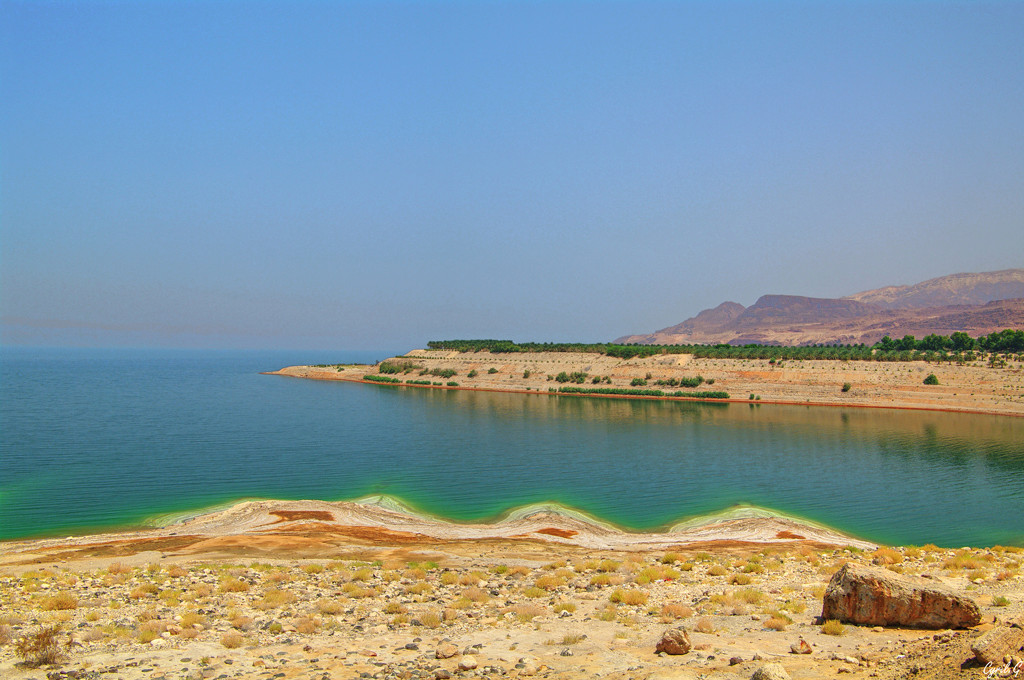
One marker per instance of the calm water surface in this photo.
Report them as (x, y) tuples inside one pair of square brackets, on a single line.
[(94, 439)]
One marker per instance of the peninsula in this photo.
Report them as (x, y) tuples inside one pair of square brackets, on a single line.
[(976, 383)]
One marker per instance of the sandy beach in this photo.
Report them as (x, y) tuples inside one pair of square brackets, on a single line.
[(971, 388)]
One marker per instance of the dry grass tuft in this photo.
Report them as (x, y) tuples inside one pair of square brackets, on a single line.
[(704, 625), (330, 607), (671, 611), (430, 619), (43, 647), (833, 627), (632, 596), (232, 584), (885, 555), (275, 598), (549, 581), (527, 612), (60, 602), (232, 639)]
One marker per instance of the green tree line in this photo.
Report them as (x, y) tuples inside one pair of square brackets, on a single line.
[(955, 347)]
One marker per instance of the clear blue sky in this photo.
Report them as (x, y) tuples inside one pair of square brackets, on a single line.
[(361, 175)]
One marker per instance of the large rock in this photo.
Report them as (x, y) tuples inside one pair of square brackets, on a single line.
[(999, 642), (770, 671), (873, 596), (674, 641)]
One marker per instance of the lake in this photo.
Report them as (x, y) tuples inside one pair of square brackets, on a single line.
[(97, 439)]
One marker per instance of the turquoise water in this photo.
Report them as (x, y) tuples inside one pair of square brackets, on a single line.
[(93, 439)]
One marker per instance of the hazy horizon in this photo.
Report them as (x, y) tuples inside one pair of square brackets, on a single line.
[(363, 175)]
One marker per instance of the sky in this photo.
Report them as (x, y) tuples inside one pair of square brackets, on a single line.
[(360, 175)]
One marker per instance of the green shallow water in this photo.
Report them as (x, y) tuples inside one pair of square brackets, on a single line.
[(101, 439)]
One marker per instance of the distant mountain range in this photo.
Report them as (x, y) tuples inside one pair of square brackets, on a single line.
[(976, 304)]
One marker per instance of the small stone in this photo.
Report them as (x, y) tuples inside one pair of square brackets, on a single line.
[(566, 652), (735, 660), (446, 650), (800, 647), (467, 663)]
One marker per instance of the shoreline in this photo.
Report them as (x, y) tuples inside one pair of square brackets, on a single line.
[(974, 389), (299, 589), (774, 402), (356, 519)]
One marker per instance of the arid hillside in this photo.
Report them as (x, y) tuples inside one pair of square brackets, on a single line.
[(977, 304)]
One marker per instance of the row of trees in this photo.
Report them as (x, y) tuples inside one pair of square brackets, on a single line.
[(955, 347)]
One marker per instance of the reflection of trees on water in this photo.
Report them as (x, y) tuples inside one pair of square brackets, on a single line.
[(885, 474)]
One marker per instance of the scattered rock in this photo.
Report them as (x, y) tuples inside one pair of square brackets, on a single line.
[(993, 646), (446, 650), (770, 671), (872, 596), (800, 647), (467, 663), (674, 641)]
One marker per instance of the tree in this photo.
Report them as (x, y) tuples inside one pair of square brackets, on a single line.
[(960, 342)]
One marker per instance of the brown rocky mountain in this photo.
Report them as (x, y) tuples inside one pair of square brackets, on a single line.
[(956, 289), (973, 303)]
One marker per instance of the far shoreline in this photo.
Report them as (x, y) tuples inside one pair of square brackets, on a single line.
[(970, 389)]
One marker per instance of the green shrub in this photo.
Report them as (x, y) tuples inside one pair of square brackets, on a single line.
[(472, 374), (492, 371), (638, 382), (931, 379), (389, 367), (381, 379), (452, 383), (847, 387), (526, 374)]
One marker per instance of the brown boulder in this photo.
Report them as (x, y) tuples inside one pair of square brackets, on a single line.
[(674, 641), (999, 642), (872, 596)]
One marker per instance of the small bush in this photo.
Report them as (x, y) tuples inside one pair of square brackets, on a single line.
[(675, 610), (1001, 601), (630, 596), (452, 383), (704, 625), (430, 619), (233, 585), (472, 374), (847, 387), (527, 374), (492, 371), (60, 601), (43, 647), (833, 627), (232, 639), (931, 379)]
